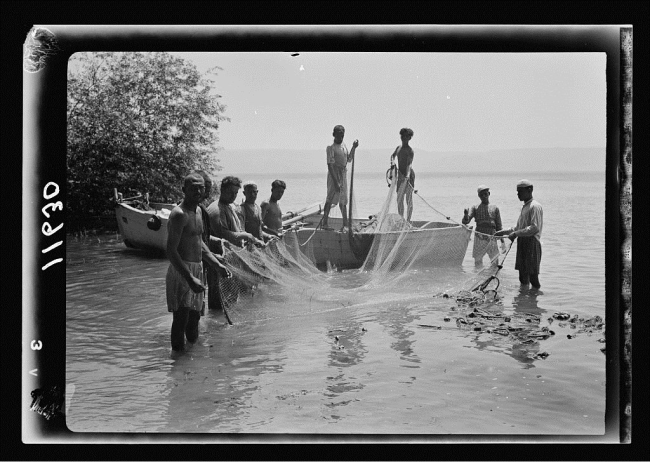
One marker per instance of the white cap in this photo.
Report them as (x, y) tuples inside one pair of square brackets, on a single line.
[(524, 184), (482, 187)]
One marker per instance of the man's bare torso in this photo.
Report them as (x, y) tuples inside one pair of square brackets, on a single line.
[(189, 246), (272, 215)]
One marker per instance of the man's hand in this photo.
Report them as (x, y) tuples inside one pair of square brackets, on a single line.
[(195, 284), (355, 144), (465, 216), (512, 236), (219, 266)]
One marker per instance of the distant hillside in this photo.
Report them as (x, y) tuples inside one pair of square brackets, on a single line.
[(249, 161)]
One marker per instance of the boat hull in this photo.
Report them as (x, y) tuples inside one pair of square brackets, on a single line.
[(132, 224), (433, 243)]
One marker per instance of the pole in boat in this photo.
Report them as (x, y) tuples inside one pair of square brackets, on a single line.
[(350, 201)]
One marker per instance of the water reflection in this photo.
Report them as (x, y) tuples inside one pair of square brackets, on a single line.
[(525, 350), (517, 334), (396, 321), (217, 385)]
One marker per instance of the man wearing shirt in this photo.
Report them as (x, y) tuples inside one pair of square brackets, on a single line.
[(529, 232), (488, 221)]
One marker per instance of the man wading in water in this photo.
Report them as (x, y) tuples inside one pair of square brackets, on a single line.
[(529, 232), (186, 250)]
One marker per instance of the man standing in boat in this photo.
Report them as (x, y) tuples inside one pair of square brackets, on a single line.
[(529, 232), (404, 155), (185, 250), (488, 221), (337, 186), (271, 212)]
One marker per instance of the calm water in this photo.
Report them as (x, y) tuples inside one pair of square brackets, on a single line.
[(280, 369)]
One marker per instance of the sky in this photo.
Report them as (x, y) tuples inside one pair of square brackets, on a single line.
[(452, 101)]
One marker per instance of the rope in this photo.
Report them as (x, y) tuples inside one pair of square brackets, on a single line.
[(312, 234), (438, 211)]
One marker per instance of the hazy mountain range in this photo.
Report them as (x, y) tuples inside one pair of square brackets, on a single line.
[(249, 161)]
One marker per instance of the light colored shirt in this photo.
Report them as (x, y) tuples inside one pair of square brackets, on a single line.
[(530, 220), (224, 221), (338, 155)]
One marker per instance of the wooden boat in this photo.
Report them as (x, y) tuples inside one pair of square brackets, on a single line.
[(443, 243), (143, 224), (141, 228)]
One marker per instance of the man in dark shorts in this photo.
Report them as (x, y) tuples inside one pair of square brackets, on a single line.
[(529, 232)]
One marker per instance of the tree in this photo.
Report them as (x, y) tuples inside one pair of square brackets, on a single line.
[(136, 122)]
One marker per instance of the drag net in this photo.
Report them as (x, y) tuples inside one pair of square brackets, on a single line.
[(390, 249), (401, 244)]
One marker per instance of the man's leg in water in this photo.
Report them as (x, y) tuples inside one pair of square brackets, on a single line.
[(192, 327), (179, 325), (534, 281), (524, 278)]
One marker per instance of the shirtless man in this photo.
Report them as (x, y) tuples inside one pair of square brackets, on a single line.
[(404, 154), (271, 212), (186, 250)]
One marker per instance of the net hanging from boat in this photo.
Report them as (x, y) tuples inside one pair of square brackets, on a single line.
[(391, 246)]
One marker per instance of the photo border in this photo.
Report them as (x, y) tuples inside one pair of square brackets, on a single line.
[(44, 146)]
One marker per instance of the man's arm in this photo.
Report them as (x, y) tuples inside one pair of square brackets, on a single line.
[(335, 174), (265, 208), (213, 260), (331, 171), (468, 214), (354, 148), (497, 219), (535, 222), (175, 226)]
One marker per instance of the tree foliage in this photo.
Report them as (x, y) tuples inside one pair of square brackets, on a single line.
[(138, 122)]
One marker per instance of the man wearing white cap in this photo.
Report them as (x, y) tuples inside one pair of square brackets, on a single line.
[(529, 232), (488, 221)]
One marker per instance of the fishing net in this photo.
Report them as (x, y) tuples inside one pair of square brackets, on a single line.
[(388, 249)]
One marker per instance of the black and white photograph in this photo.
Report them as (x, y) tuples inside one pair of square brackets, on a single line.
[(281, 232)]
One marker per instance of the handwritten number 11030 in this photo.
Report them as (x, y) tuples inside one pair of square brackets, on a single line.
[(49, 191)]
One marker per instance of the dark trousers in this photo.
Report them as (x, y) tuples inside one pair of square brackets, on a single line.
[(214, 297), (185, 324)]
